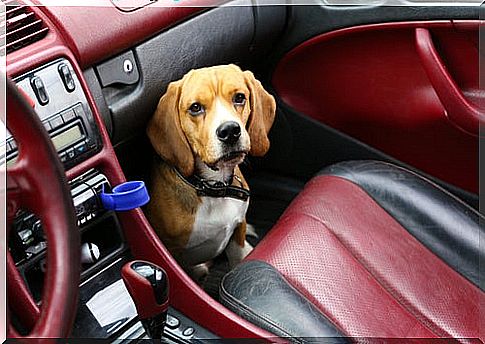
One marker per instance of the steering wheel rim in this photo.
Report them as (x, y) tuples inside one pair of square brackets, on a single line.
[(37, 182)]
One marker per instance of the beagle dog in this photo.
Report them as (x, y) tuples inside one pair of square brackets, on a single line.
[(204, 126)]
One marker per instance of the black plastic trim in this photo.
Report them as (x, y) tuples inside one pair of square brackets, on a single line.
[(222, 35)]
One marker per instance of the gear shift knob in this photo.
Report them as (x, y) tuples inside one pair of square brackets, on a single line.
[(147, 284)]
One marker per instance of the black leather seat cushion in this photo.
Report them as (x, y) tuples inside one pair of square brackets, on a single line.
[(259, 293)]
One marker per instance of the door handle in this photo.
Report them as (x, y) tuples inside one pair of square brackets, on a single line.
[(459, 109)]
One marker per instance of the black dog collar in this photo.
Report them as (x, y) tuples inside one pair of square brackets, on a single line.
[(210, 188)]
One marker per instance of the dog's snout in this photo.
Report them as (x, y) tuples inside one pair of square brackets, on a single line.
[(228, 132)]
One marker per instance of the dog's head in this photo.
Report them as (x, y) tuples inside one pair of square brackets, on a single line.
[(218, 114)]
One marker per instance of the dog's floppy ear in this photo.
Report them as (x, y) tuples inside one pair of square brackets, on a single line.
[(165, 132), (263, 108)]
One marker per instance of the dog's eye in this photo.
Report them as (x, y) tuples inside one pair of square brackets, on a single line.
[(196, 109), (239, 99)]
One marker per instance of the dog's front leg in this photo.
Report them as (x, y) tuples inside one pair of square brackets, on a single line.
[(238, 248)]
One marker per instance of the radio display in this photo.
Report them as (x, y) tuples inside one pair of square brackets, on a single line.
[(67, 137)]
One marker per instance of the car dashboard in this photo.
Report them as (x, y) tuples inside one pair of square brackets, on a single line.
[(350, 84), (94, 75)]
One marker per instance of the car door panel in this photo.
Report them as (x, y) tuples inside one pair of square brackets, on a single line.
[(368, 81)]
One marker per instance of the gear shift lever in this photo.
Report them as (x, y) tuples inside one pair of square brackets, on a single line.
[(148, 286)]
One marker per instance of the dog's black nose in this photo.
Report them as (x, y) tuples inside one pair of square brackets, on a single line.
[(228, 132)]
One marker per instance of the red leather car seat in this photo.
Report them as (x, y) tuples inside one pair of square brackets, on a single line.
[(367, 249)]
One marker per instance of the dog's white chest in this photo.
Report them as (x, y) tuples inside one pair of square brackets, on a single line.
[(215, 221)]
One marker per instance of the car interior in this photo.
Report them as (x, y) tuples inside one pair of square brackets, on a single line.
[(365, 209)]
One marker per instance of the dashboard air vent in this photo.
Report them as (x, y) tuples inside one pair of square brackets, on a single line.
[(23, 26)]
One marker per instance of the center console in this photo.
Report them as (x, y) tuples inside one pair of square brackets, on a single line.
[(95, 89), (56, 94), (106, 309)]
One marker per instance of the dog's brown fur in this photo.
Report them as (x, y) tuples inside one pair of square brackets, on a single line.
[(179, 138)]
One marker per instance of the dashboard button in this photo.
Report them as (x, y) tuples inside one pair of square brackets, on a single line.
[(68, 115), (37, 230), (71, 154), (80, 148), (39, 90), (78, 110), (66, 77), (26, 236), (56, 122), (47, 125), (172, 322), (189, 331), (90, 143)]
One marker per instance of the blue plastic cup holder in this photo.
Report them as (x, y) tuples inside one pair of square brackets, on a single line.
[(126, 196)]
